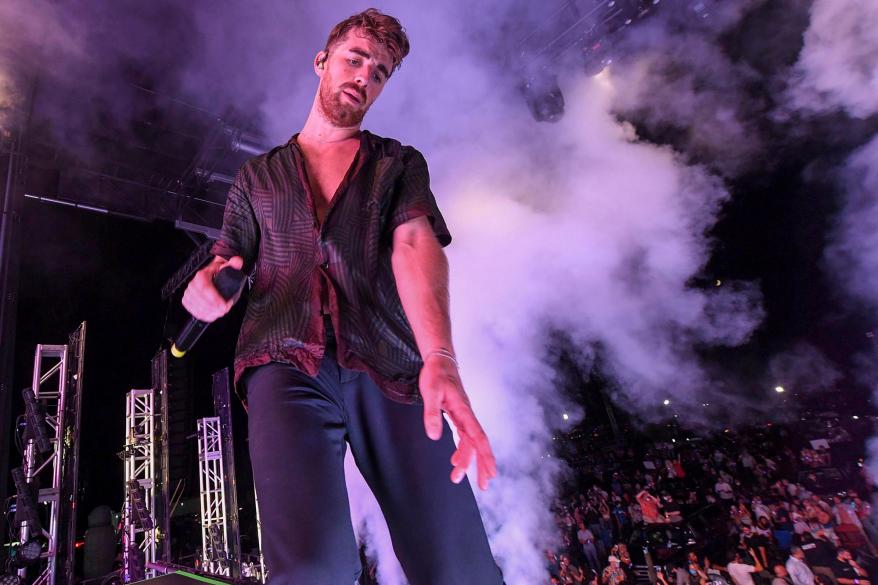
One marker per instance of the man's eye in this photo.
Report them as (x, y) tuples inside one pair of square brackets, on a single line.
[(377, 78), (354, 62)]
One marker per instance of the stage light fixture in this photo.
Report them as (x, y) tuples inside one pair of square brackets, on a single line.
[(26, 503), (136, 565), (36, 421), (10, 579), (544, 97), (140, 515), (25, 555)]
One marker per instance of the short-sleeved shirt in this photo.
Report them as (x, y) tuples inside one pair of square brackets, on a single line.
[(741, 573), (302, 269)]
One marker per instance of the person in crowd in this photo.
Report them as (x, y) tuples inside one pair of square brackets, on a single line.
[(741, 572), (760, 510), (714, 573), (819, 554), (587, 540), (613, 573), (553, 563), (671, 509), (724, 490), (650, 507), (781, 576), (847, 571), (761, 539), (697, 576), (798, 569), (570, 573)]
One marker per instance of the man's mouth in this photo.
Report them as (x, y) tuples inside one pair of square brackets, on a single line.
[(353, 95)]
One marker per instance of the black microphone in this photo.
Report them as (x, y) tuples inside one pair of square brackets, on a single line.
[(227, 282)]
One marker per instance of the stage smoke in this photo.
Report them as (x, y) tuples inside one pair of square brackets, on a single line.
[(838, 71)]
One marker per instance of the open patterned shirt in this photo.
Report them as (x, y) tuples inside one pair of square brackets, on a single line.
[(301, 267)]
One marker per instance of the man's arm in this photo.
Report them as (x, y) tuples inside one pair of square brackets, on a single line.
[(421, 273)]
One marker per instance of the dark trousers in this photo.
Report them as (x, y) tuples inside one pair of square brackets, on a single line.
[(299, 430)]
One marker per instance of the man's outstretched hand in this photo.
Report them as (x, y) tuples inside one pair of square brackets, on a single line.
[(442, 390)]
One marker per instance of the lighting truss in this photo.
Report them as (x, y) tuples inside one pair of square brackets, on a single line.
[(55, 396), (140, 535), (216, 557)]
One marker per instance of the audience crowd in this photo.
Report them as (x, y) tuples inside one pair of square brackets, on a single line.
[(739, 509)]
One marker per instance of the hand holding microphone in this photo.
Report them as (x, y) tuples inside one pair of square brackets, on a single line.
[(211, 294)]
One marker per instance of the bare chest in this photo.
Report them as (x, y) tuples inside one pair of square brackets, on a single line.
[(327, 170)]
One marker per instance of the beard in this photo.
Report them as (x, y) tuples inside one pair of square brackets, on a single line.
[(337, 109)]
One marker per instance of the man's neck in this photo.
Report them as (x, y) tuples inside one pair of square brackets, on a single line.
[(318, 130)]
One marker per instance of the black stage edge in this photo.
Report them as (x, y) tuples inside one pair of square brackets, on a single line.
[(186, 578)]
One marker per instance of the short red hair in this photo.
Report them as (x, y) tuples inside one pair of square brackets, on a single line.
[(381, 28)]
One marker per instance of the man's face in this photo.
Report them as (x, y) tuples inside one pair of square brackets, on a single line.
[(351, 78)]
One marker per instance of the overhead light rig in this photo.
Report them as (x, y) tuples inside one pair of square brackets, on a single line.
[(589, 28)]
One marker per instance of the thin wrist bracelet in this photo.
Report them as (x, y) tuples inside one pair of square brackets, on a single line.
[(443, 353)]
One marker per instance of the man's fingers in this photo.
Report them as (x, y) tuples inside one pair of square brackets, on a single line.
[(235, 262), (474, 437), (432, 413), (201, 297), (461, 460)]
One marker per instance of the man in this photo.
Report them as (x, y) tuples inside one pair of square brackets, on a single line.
[(346, 339), (650, 506), (847, 571), (781, 576), (671, 509), (741, 572), (586, 539), (819, 554), (613, 573), (693, 566), (724, 490), (798, 569)]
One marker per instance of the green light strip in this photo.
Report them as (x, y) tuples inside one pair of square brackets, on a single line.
[(201, 578)]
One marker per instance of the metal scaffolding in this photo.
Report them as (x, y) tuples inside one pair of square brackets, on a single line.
[(57, 389), (162, 509), (222, 406), (141, 535), (216, 557)]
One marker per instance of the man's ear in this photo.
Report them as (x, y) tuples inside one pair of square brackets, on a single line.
[(320, 60)]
